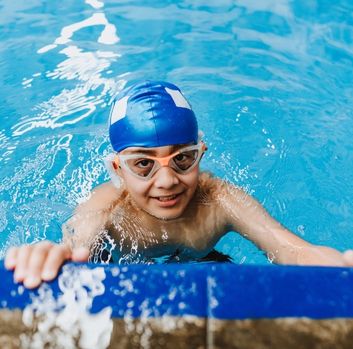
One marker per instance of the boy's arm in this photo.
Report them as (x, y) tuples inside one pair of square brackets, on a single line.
[(41, 261), (248, 217)]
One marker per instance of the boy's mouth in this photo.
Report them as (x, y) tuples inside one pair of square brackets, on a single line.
[(168, 200)]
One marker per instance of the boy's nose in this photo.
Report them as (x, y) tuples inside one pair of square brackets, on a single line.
[(165, 178)]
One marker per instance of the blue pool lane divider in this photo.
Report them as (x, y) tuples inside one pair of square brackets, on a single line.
[(220, 291)]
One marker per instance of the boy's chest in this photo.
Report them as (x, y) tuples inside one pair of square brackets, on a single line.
[(194, 235)]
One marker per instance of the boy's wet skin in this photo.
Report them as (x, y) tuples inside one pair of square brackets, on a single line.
[(194, 233)]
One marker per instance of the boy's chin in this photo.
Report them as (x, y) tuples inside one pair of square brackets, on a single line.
[(166, 216)]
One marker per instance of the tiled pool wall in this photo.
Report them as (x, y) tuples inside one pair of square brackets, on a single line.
[(181, 306)]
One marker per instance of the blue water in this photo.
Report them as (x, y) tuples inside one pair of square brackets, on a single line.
[(270, 81)]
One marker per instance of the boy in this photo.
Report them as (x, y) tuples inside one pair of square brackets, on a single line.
[(163, 206)]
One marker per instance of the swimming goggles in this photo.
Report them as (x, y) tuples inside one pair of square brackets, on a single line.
[(144, 166)]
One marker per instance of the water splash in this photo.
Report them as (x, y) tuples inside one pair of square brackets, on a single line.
[(102, 249), (65, 322)]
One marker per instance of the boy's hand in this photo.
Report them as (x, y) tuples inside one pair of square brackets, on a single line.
[(41, 262)]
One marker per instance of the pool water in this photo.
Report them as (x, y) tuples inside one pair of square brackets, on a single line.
[(270, 82)]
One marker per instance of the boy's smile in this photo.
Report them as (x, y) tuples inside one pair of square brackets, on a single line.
[(167, 193)]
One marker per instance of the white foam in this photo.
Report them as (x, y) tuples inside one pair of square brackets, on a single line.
[(64, 320)]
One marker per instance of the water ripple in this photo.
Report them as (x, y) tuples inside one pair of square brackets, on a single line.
[(270, 81)]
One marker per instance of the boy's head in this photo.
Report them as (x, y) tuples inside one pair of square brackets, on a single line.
[(151, 114), (155, 132)]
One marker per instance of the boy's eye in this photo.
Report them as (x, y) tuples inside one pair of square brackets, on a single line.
[(185, 160), (185, 156), (143, 163), (180, 157)]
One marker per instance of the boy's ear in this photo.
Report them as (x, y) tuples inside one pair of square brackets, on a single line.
[(116, 167)]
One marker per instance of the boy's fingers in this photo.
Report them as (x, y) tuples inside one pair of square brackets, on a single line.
[(80, 254), (23, 255), (35, 264), (348, 257), (41, 262), (11, 258), (57, 255)]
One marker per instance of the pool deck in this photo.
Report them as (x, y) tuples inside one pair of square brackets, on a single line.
[(204, 305)]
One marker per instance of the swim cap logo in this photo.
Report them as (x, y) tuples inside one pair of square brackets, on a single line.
[(178, 98), (119, 110)]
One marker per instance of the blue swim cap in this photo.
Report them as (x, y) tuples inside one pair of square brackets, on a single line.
[(151, 114)]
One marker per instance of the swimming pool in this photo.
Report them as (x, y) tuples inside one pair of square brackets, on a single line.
[(270, 82)]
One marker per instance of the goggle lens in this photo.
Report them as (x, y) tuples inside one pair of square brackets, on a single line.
[(183, 161), (140, 166)]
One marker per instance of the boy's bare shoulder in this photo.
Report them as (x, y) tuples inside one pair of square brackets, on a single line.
[(92, 215), (103, 197), (217, 186), (221, 193), (106, 189), (211, 186)]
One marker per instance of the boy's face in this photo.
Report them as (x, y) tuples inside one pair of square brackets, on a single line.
[(165, 195)]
